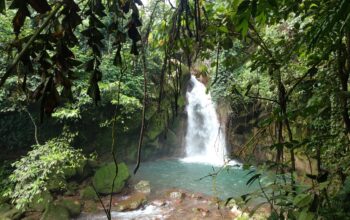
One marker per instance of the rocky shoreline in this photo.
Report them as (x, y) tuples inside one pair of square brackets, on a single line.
[(79, 200)]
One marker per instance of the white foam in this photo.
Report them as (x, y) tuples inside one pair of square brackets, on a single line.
[(205, 140), (150, 212)]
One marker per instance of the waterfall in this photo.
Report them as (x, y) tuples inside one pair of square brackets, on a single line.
[(205, 140)]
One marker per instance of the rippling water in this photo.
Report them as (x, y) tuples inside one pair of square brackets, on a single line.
[(195, 177)]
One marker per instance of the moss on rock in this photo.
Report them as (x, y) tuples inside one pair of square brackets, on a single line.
[(55, 212), (88, 193), (131, 203), (72, 205), (103, 178)]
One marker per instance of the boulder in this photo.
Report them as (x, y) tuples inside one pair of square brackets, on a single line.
[(4, 207), (143, 186), (92, 163), (159, 203), (244, 216), (90, 206), (55, 212), (236, 211), (177, 195), (9, 213), (72, 205), (88, 193), (103, 178), (132, 202), (31, 216), (85, 170), (71, 188), (40, 201), (80, 172)]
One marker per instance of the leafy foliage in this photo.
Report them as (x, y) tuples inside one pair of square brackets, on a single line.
[(44, 165), (50, 54)]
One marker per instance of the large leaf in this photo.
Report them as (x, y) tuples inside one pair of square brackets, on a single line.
[(41, 6), (2, 6), (302, 200), (18, 20), (253, 179), (304, 215), (243, 6)]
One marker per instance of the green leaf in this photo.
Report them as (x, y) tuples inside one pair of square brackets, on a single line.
[(2, 6), (18, 20), (272, 3), (243, 6), (246, 166), (302, 200), (41, 6), (254, 8), (253, 178), (304, 215), (223, 29), (243, 27)]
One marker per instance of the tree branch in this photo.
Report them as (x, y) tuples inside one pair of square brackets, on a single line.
[(35, 126), (144, 70), (27, 45), (262, 98)]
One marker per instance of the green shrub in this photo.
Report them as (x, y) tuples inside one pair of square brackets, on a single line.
[(41, 167)]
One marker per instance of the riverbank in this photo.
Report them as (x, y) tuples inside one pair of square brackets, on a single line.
[(169, 204)]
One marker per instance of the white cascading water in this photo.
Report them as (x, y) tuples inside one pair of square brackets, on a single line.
[(205, 140)]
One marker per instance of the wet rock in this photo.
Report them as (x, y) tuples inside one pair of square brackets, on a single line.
[(90, 206), (197, 197), (55, 212), (9, 213), (132, 202), (31, 216), (243, 216), (213, 201), (204, 212), (71, 188), (143, 186), (92, 163), (104, 176), (235, 210), (177, 195), (88, 193), (231, 203), (73, 206), (159, 203), (4, 207)]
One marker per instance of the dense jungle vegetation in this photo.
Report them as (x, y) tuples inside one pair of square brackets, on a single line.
[(85, 81)]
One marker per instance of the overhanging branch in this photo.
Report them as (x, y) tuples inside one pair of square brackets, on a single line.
[(27, 45)]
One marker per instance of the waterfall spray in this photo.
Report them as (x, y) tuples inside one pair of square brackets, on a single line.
[(205, 140)]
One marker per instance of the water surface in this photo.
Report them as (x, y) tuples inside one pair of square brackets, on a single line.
[(195, 177)]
